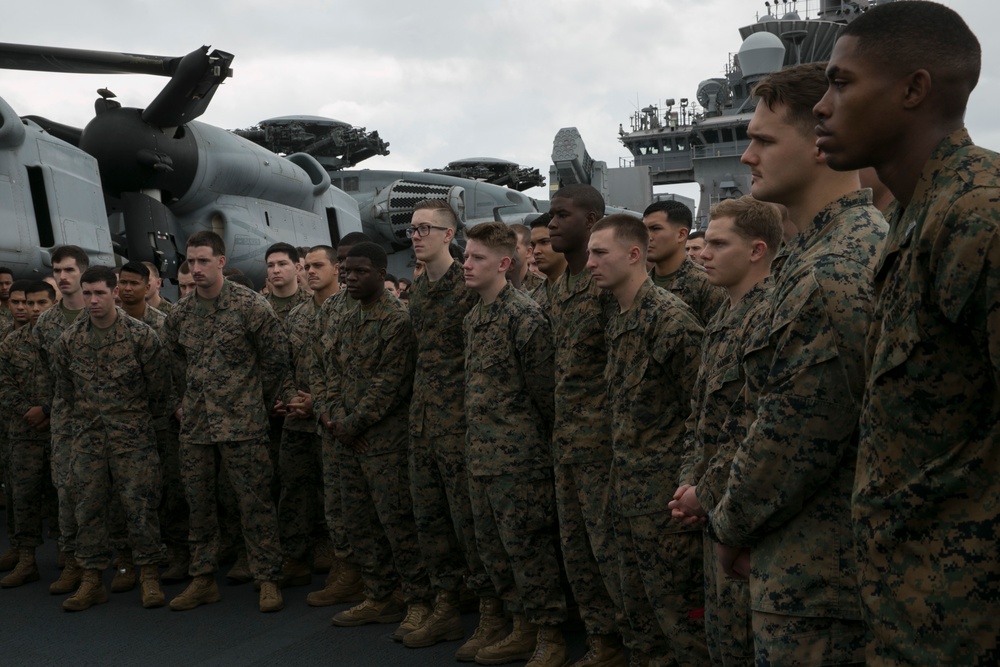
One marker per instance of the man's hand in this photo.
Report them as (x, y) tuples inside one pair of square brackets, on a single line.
[(301, 407), (35, 416), (735, 561), (685, 506)]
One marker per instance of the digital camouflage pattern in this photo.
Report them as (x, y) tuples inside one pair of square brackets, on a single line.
[(540, 293), (46, 333), (531, 282), (690, 284), (230, 362), (282, 306), (327, 321), (715, 428), (508, 399), (117, 382), (438, 475), (581, 441), (788, 494), (927, 493), (652, 363), (371, 357), (508, 385), (24, 383)]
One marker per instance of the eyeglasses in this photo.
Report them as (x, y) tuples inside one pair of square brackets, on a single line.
[(422, 230)]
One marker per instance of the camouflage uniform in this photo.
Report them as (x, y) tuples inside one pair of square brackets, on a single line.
[(24, 383), (778, 263), (715, 428), (299, 462), (926, 493), (6, 328), (230, 362), (328, 321), (371, 357), (531, 282), (509, 408), (117, 382), (652, 363), (540, 293), (789, 488), (581, 448), (46, 333), (165, 307), (690, 284), (282, 306), (438, 477)]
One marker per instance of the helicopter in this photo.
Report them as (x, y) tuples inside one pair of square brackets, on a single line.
[(136, 183)]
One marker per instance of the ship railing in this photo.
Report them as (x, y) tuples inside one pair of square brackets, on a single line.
[(727, 149)]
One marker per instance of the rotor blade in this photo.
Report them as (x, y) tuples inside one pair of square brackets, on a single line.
[(68, 133), (83, 61), (190, 89)]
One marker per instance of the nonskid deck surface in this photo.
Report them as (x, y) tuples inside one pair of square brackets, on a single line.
[(35, 631)]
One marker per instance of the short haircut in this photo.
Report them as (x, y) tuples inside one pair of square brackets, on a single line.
[(287, 248), (154, 272), (698, 234), (392, 279), (354, 238), (372, 251), (138, 268), (907, 36), (753, 220), (184, 268), (442, 209), (100, 274), (76, 253), (586, 197), (676, 212), (626, 229), (206, 239), (22, 285), (331, 252), (5, 270), (228, 271), (36, 286), (797, 89), (495, 236), (523, 234), (541, 221)]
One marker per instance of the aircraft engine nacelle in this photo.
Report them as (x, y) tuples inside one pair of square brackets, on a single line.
[(394, 204)]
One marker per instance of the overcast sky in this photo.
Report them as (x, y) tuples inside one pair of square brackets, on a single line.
[(440, 80)]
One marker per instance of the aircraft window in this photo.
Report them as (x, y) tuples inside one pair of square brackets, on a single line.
[(351, 184)]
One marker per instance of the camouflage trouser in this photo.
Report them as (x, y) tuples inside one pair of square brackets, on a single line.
[(663, 589), (439, 485), (727, 613), (300, 471), (247, 467), (514, 517), (333, 504), (99, 467), (781, 640), (8, 486), (228, 509), (27, 463), (378, 515), (276, 427), (588, 547), (62, 479)]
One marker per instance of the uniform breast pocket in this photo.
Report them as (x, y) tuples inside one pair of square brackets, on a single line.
[(232, 345), (724, 376), (125, 373), (83, 372)]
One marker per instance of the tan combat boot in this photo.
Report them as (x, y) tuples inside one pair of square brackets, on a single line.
[(492, 628), (8, 560), (550, 649), (270, 597), (201, 590), (69, 578), (389, 610), (416, 615), (124, 579), (518, 645), (149, 587), (90, 592), (25, 572), (603, 651), (323, 557), (342, 585), (295, 573), (177, 565), (443, 625)]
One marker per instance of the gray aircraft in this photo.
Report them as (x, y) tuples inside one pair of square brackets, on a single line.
[(137, 183)]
